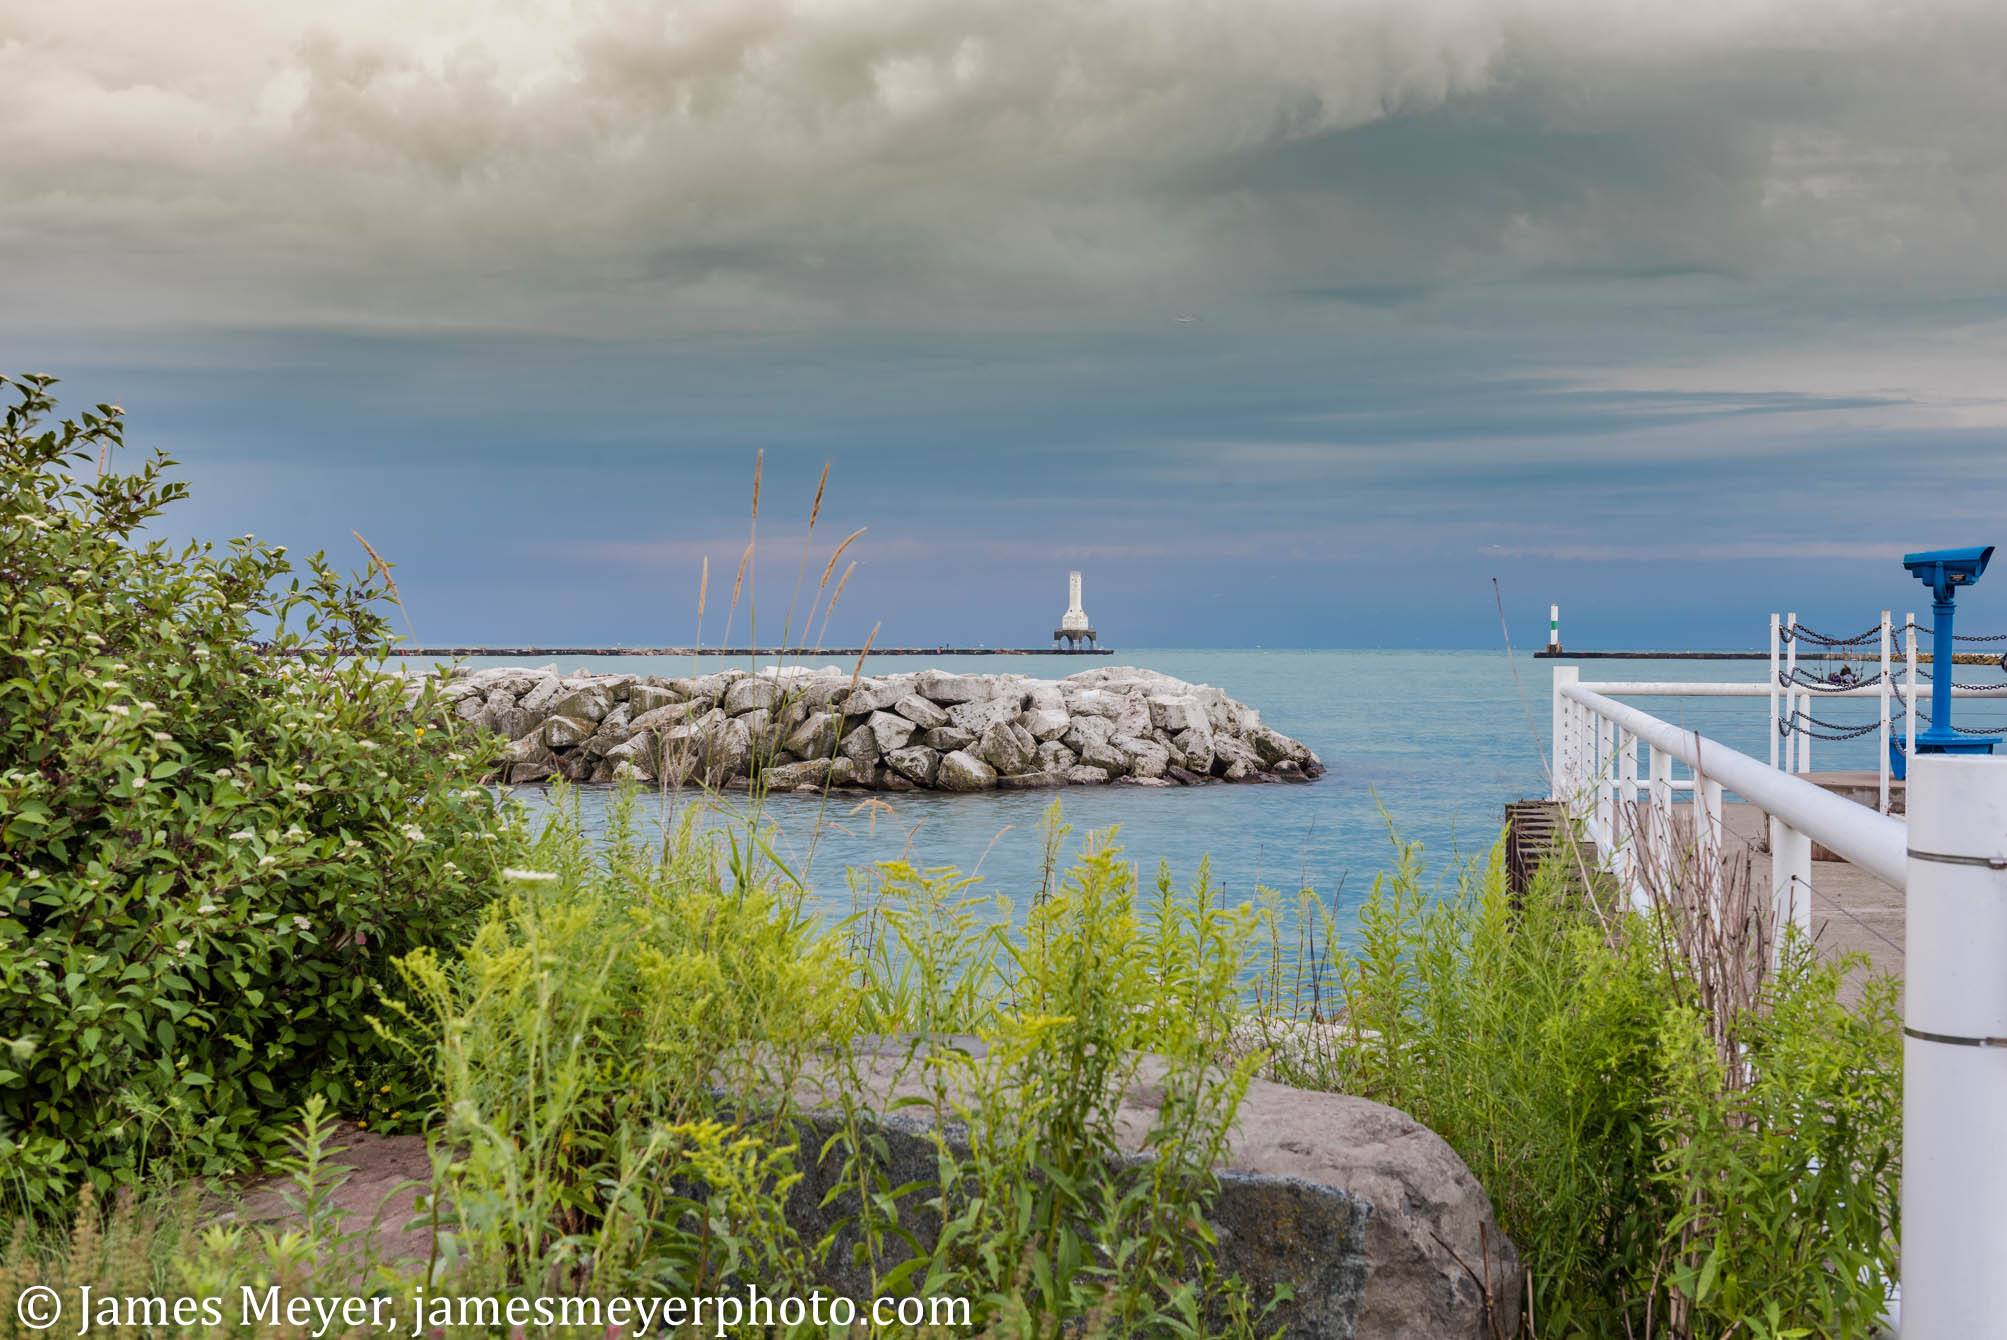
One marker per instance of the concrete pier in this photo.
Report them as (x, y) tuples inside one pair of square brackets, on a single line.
[(1852, 911)]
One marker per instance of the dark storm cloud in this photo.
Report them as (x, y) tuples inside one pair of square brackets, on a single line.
[(1235, 303)]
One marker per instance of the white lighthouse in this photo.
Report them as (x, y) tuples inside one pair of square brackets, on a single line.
[(1074, 627)]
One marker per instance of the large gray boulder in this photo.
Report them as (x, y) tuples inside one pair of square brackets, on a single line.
[(1006, 747), (613, 730), (981, 715), (1082, 731), (1235, 760), (639, 753), (1193, 749), (916, 763), (645, 698), (815, 737), (920, 711), (1145, 758), (947, 738), (813, 773), (1173, 713), (750, 695), (561, 732), (860, 746), (665, 716), (890, 731), (725, 749), (874, 695), (1370, 1220), (502, 715), (960, 771), (588, 702), (539, 699), (1044, 723), (942, 687)]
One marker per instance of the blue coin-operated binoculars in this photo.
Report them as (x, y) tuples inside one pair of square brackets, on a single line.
[(1943, 571)]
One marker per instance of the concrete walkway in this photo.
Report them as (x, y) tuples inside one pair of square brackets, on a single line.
[(1852, 911)]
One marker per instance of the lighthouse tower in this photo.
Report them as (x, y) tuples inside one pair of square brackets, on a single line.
[(1073, 625)]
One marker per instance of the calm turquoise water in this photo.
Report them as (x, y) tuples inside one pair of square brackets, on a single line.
[(1432, 743)]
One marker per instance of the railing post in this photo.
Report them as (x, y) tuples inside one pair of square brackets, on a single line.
[(1707, 836), (1774, 717), (1791, 693), (1661, 844), (1606, 786), (1954, 1176), (1562, 781), (1790, 883), (1909, 692), (1627, 806), (1882, 754)]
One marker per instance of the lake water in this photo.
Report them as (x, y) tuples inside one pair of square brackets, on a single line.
[(1430, 743)]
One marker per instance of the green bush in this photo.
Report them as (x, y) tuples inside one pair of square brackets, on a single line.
[(1048, 1220), (1674, 1156), (218, 825), (610, 1044), (622, 1041)]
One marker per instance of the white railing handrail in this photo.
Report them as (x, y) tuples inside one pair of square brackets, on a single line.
[(1642, 688), (1875, 842)]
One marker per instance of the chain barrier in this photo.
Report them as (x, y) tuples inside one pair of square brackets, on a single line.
[(1803, 723), (1925, 630), (1797, 678), (1900, 707), (1799, 632)]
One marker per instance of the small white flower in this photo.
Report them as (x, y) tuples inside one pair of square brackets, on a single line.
[(296, 833), (414, 832), (181, 946), (118, 710), (242, 835), (452, 869), (163, 737), (529, 876), (304, 788), (139, 783), (301, 923), (267, 860), (223, 774), (205, 910), (367, 744)]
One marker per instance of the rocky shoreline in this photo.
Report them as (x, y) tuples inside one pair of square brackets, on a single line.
[(796, 728)]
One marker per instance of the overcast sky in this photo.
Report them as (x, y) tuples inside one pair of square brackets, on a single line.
[(1291, 322)]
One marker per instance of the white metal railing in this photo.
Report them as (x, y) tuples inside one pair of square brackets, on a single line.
[(1628, 810), (1948, 858)]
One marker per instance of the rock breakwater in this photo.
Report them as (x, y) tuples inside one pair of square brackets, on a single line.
[(796, 728)]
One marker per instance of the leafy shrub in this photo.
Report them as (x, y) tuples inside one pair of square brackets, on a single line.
[(1671, 1161), (218, 825), (588, 1038), (1046, 1219), (622, 1040)]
